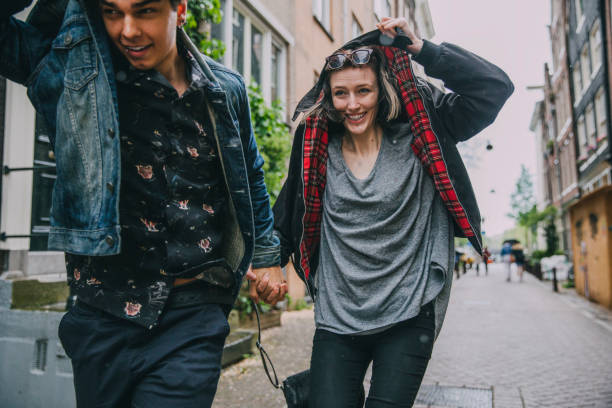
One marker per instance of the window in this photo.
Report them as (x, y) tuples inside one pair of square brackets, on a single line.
[(256, 54), (579, 14), (275, 85), (320, 9), (595, 43), (382, 8), (591, 134), (238, 41), (600, 115), (356, 29), (577, 80), (582, 140), (217, 30), (586, 66)]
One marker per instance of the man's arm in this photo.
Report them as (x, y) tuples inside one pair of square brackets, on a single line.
[(22, 46), (268, 283)]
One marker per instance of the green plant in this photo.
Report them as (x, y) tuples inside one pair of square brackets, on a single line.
[(273, 139), (301, 304), (200, 15)]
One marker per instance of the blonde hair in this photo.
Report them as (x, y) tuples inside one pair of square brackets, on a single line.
[(389, 107)]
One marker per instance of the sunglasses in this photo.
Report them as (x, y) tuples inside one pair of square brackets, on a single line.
[(357, 57)]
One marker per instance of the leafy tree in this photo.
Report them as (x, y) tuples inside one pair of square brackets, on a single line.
[(200, 15), (522, 202), (273, 139)]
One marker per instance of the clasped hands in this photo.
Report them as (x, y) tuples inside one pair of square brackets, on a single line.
[(267, 284)]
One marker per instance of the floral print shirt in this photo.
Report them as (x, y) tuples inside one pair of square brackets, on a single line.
[(172, 199)]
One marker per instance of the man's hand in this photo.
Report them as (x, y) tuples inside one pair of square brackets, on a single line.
[(387, 26), (267, 284)]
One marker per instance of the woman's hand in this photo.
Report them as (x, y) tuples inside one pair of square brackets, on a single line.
[(387, 26), (267, 284)]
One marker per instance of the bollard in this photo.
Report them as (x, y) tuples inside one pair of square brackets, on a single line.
[(555, 287)]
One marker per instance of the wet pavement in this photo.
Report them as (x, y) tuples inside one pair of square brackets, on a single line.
[(503, 345)]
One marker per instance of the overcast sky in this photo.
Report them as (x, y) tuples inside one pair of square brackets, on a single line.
[(513, 35)]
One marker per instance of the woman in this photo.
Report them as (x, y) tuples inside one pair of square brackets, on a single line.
[(375, 189)]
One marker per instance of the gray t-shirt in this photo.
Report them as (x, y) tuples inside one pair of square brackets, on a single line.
[(385, 240)]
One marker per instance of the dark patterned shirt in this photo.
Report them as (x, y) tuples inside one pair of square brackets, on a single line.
[(172, 200)]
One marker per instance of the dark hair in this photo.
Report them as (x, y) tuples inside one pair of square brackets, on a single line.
[(389, 102), (173, 3)]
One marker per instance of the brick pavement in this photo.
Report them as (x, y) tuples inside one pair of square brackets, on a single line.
[(531, 347)]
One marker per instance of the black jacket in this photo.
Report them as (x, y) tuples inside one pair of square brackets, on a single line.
[(438, 120)]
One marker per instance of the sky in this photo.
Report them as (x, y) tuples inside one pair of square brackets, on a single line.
[(514, 36)]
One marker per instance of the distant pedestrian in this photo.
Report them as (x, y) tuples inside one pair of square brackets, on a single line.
[(506, 257), (519, 259), (486, 255), (369, 212)]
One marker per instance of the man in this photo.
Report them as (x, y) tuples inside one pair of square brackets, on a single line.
[(159, 201)]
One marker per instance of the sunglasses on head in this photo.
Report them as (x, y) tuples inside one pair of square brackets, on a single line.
[(357, 57)]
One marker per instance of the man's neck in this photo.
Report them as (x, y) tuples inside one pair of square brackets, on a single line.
[(174, 70)]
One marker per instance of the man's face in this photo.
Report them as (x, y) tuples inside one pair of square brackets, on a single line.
[(143, 30)]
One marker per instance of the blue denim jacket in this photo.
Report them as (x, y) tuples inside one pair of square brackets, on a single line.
[(70, 81)]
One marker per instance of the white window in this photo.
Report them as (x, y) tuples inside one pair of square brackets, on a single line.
[(275, 84), (382, 8), (600, 115), (586, 66), (595, 42), (256, 54), (356, 29), (577, 80), (321, 11), (238, 31), (254, 50), (590, 125)]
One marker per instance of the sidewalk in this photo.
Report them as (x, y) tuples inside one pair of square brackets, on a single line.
[(503, 345)]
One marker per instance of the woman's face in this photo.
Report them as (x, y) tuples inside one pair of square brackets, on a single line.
[(354, 93)]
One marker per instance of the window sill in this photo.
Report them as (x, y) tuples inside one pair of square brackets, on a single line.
[(325, 29)]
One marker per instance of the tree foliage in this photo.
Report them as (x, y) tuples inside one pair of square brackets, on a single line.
[(273, 139), (200, 15)]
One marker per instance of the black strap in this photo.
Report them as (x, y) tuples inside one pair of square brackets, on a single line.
[(265, 359)]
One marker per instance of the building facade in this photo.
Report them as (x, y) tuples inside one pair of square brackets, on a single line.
[(587, 33)]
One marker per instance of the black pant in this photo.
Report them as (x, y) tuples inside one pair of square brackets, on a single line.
[(118, 364), (399, 357)]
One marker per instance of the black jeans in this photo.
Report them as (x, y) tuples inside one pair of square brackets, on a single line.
[(118, 364), (399, 357)]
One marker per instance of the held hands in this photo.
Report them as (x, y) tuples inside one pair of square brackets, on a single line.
[(388, 25), (267, 284)]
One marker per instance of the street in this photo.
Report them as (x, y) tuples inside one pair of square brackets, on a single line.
[(502, 345)]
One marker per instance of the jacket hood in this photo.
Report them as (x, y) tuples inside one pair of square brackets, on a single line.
[(372, 38)]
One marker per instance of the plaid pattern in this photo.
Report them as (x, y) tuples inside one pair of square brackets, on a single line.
[(425, 144), (315, 172), (425, 147)]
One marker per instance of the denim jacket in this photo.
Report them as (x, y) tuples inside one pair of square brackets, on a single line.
[(70, 81)]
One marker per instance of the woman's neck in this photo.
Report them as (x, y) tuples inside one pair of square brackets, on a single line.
[(364, 144)]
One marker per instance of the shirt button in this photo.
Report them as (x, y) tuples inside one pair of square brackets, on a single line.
[(110, 187), (111, 132), (110, 241), (188, 105), (67, 39)]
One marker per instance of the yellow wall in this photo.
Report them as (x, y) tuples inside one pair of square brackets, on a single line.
[(592, 245)]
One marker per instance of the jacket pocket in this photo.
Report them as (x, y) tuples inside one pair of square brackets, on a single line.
[(75, 45)]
